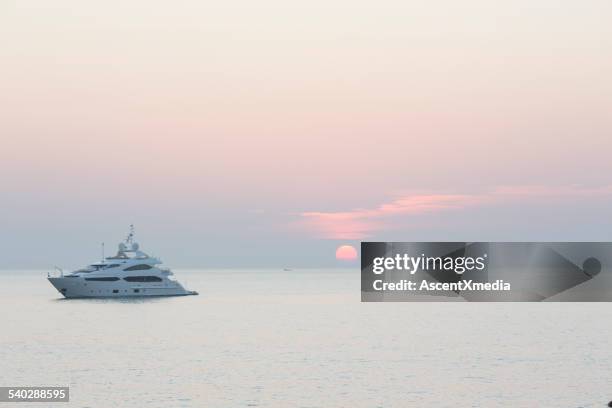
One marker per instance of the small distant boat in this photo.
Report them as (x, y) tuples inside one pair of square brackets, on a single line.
[(287, 269), (130, 273)]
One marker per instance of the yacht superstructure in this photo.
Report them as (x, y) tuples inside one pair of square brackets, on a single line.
[(129, 273)]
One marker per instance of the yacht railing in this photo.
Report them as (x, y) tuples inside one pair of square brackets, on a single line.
[(57, 269)]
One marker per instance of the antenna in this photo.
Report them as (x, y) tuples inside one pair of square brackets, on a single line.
[(103, 252), (130, 237)]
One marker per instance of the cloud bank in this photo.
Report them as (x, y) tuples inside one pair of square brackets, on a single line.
[(361, 223)]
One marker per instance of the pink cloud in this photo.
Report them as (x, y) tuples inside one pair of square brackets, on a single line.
[(362, 223)]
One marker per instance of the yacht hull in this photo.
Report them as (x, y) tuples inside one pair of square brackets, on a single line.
[(78, 287)]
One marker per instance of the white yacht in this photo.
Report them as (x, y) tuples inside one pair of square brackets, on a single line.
[(130, 273)]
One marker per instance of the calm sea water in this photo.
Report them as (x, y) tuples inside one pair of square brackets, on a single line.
[(267, 338)]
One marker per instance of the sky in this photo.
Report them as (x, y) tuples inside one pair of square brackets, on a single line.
[(269, 133)]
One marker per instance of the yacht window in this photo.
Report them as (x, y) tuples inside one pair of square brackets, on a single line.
[(103, 279), (140, 267), (112, 266), (142, 279), (118, 256)]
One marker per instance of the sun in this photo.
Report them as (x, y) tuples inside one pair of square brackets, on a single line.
[(346, 253)]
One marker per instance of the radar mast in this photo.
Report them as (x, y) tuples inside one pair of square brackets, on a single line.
[(130, 237)]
